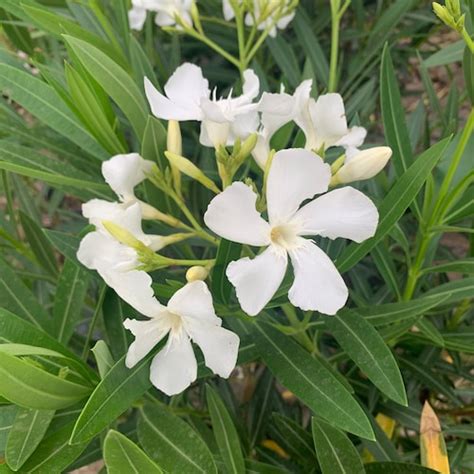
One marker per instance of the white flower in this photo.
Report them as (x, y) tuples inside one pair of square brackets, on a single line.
[(276, 110), (363, 165), (122, 173), (295, 175), (324, 123), (115, 262), (188, 316), (188, 97), (263, 14), (166, 12)]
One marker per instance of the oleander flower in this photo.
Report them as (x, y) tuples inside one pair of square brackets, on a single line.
[(263, 14), (188, 97), (118, 264), (166, 12), (295, 176), (189, 316)]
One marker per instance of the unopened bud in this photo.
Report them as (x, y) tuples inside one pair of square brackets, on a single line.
[(196, 18), (122, 235), (365, 165), (173, 139), (246, 148), (196, 273), (188, 168)]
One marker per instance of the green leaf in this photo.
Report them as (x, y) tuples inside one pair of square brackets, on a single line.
[(366, 348), (429, 330), (68, 302), (123, 456), (115, 81), (44, 103), (446, 55), (396, 131), (90, 110), (26, 433), (115, 394), (454, 291), (54, 454), (383, 314), (66, 244), (17, 297), (284, 56), (15, 330), (112, 310), (7, 417), (465, 266), (397, 468), (310, 381), (29, 386), (461, 340), (225, 433), (226, 253), (312, 48), (103, 358), (172, 443), (395, 203), (335, 452), (39, 244)]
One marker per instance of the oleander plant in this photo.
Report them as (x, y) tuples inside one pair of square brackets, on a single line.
[(237, 236)]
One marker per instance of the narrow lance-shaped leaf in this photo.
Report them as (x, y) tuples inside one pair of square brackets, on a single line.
[(26, 433), (115, 81), (336, 453), (310, 381), (172, 443), (367, 349), (225, 433), (44, 103), (227, 252), (122, 455)]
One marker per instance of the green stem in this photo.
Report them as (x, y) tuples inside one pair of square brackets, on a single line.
[(239, 20), (302, 337), (414, 271), (468, 40), (335, 22), (95, 317)]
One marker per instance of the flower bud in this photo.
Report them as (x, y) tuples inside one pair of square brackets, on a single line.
[(246, 148), (188, 168), (196, 273), (173, 139), (122, 235), (365, 165)]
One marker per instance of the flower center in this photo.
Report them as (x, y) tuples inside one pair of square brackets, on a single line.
[(174, 323), (285, 236)]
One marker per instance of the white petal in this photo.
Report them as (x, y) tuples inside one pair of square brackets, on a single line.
[(354, 138), (227, 10), (329, 119), (251, 86), (184, 90), (344, 212), (243, 125), (257, 280), (261, 150), (98, 210), (147, 335), (318, 286), (295, 175), (136, 18), (233, 216), (164, 19), (219, 346), (187, 86), (123, 172), (277, 110), (194, 301), (285, 21), (174, 368)]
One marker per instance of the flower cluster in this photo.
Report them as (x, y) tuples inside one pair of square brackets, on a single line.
[(275, 226), (167, 12)]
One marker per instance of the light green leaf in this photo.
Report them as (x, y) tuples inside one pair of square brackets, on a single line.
[(225, 433), (123, 456), (115, 81), (446, 55), (115, 393), (29, 386), (103, 358), (366, 348), (336, 454), (26, 433), (172, 443), (310, 381), (44, 103)]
